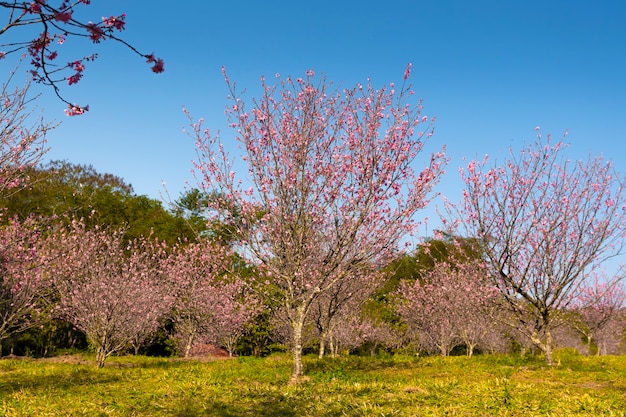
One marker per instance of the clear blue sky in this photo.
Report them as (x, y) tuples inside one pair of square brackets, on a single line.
[(489, 70)]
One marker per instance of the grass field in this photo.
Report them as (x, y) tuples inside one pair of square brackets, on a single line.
[(346, 386)]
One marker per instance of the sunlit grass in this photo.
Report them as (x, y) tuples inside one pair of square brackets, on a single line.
[(345, 386)]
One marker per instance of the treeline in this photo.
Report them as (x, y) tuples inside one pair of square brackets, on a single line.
[(88, 264)]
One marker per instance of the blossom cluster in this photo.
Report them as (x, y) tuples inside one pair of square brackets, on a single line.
[(58, 23)]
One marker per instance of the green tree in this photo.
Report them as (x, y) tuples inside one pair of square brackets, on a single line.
[(61, 190)]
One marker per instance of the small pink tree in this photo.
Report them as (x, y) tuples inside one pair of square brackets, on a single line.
[(23, 291), (611, 338), (600, 310), (211, 304), (449, 305), (378, 333), (342, 302), (57, 24), (332, 187), (544, 223), (110, 289)]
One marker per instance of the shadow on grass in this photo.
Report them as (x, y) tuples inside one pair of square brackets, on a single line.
[(353, 363), (268, 406), (61, 379)]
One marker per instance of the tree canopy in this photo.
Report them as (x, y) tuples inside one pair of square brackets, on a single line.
[(61, 190)]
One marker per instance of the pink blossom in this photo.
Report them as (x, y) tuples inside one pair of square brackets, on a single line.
[(407, 71), (63, 16), (75, 110), (115, 22), (96, 34), (158, 66)]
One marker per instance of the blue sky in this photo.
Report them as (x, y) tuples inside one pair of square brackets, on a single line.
[(490, 71)]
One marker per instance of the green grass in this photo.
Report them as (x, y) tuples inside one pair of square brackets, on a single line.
[(346, 386)]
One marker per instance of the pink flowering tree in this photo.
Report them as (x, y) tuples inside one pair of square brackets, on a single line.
[(610, 339), (345, 336), (212, 304), (544, 222), (53, 24), (599, 307), (24, 292), (359, 331), (22, 138), (110, 289), (447, 306), (342, 302), (332, 188)]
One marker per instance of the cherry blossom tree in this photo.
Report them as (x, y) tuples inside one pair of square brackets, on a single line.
[(449, 305), (341, 302), (211, 304), (611, 338), (23, 290), (600, 310), (53, 24), (345, 335), (332, 189), (477, 308), (22, 137), (110, 289), (357, 330), (544, 222)]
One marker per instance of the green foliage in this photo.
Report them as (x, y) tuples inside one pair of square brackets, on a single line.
[(61, 190), (194, 206), (257, 340), (45, 340), (353, 386), (161, 344)]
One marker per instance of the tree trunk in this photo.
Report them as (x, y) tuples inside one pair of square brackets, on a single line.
[(522, 351), (548, 354), (322, 345), (297, 324), (100, 356), (546, 347), (334, 348), (589, 345), (470, 349), (188, 346), (443, 350)]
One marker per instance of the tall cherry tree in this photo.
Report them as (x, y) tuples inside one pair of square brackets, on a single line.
[(40, 28), (332, 188), (110, 289), (544, 223)]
